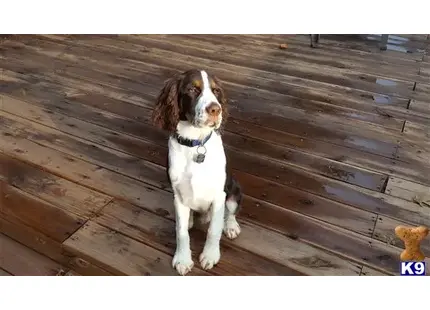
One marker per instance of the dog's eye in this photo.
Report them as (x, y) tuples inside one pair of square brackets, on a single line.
[(216, 91)]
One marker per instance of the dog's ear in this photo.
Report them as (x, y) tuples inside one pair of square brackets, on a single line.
[(223, 100), (166, 110)]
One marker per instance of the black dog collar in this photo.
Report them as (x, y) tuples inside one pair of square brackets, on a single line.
[(190, 142)]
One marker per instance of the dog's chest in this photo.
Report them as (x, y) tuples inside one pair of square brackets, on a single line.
[(198, 183)]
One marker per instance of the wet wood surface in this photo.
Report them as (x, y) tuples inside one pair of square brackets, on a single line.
[(4, 273), (19, 260), (331, 145), (159, 232)]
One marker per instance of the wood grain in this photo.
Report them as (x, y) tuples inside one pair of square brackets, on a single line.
[(130, 189), (407, 190), (21, 261), (362, 143), (274, 171), (346, 62), (18, 206), (299, 44), (296, 68), (70, 196), (408, 151), (247, 129), (367, 272), (420, 106), (110, 48), (48, 247), (106, 137), (128, 83), (120, 254), (156, 175), (356, 43), (420, 131), (159, 232), (331, 238)]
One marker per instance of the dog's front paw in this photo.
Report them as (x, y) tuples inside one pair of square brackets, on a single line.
[(182, 262), (210, 257), (231, 228)]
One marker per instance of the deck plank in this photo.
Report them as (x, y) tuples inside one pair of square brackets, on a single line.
[(368, 272), (384, 148), (120, 254), (300, 43), (418, 130), (388, 149), (159, 232), (406, 190), (346, 43), (307, 203), (155, 175), (425, 70), (342, 99), (136, 222), (345, 62), (297, 69), (18, 206), (162, 48), (423, 88), (274, 171), (343, 193), (71, 197), (420, 106), (48, 247), (149, 197), (255, 87), (33, 239), (320, 148), (296, 110), (344, 243), (22, 261), (355, 81), (97, 134), (72, 54)]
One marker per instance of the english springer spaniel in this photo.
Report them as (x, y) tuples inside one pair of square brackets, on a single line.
[(192, 107)]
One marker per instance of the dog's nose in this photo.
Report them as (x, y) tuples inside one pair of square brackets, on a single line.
[(214, 109)]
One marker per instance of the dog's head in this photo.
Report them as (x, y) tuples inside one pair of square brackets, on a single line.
[(193, 96)]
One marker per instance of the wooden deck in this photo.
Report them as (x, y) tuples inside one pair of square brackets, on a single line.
[(331, 145)]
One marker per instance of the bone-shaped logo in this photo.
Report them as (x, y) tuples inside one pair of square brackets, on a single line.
[(412, 237)]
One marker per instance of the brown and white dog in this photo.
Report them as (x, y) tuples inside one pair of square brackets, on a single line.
[(192, 107)]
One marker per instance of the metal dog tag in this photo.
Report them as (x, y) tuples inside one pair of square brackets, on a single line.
[(200, 156)]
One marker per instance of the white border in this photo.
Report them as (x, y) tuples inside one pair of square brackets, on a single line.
[(207, 293), (214, 16)]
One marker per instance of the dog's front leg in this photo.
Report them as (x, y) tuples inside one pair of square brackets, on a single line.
[(182, 260), (211, 253)]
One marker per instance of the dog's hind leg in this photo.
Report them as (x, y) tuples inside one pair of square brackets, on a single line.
[(232, 204)]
